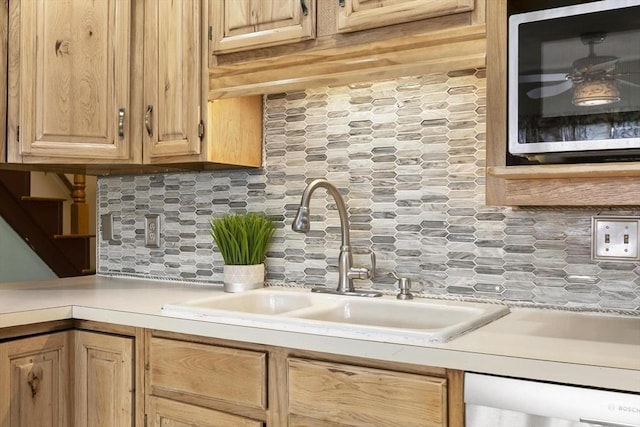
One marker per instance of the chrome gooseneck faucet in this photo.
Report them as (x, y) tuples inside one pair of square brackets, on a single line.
[(346, 271)]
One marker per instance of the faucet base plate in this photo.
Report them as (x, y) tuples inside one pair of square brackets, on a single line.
[(347, 293)]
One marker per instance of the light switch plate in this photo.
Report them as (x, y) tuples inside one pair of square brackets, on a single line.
[(616, 238), (106, 227)]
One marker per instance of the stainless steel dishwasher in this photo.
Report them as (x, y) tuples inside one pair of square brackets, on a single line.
[(505, 402)]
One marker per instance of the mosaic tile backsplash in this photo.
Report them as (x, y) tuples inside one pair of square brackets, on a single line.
[(408, 157)]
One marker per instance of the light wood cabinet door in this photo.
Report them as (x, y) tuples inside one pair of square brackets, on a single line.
[(357, 15), (168, 413), (239, 25), (33, 376), (226, 376), (103, 380), (336, 394), (173, 99), (69, 85)]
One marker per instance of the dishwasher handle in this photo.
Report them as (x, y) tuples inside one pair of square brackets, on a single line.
[(605, 423)]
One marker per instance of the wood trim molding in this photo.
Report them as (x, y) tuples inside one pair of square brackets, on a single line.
[(4, 25), (439, 51), (585, 170)]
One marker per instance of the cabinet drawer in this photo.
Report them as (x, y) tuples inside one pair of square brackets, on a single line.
[(359, 396), (166, 413), (211, 372)]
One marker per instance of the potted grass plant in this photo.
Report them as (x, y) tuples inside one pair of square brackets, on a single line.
[(243, 239)]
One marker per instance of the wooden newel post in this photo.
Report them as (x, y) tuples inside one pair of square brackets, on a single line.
[(79, 208)]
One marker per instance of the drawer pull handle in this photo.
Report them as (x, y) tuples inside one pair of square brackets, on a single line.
[(121, 123)]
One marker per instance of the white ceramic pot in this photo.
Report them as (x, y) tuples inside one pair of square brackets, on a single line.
[(239, 278)]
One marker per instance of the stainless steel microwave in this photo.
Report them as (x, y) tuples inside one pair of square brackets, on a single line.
[(574, 82)]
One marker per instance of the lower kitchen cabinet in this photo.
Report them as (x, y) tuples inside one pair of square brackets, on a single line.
[(68, 378), (103, 379), (34, 381), (196, 381), (337, 394), (225, 379), (169, 413)]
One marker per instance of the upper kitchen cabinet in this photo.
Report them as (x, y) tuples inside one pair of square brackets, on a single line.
[(69, 82), (258, 48), (571, 180), (173, 97), (239, 25), (180, 125), (355, 15), (120, 86)]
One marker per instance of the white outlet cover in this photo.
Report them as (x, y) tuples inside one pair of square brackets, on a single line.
[(609, 241)]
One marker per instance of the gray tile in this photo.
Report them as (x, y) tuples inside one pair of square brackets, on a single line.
[(408, 156)]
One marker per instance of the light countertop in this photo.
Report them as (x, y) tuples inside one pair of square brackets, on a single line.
[(568, 347)]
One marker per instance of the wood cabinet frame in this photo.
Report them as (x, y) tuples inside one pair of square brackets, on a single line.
[(602, 184), (277, 412), (4, 33)]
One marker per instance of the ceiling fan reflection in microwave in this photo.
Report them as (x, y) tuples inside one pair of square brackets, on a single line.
[(593, 78)]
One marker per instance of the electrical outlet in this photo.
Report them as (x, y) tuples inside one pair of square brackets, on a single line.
[(616, 238), (152, 231)]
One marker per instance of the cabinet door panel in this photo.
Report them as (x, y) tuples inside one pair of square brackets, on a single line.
[(363, 14), (172, 79), (218, 373), (33, 374), (103, 380), (249, 24), (70, 65), (359, 396), (167, 413)]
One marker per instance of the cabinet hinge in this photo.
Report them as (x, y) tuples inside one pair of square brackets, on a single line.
[(201, 130), (210, 33), (18, 133)]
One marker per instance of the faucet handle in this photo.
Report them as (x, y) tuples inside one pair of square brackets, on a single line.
[(372, 271), (363, 272)]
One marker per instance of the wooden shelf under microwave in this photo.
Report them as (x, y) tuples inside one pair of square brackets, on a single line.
[(584, 170)]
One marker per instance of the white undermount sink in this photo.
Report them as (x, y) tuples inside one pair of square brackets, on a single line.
[(387, 319)]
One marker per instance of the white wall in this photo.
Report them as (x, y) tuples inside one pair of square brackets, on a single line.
[(17, 261)]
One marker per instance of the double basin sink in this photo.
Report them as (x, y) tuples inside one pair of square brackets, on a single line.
[(417, 321)]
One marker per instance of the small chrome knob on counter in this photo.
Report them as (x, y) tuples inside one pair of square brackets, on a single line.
[(404, 285)]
